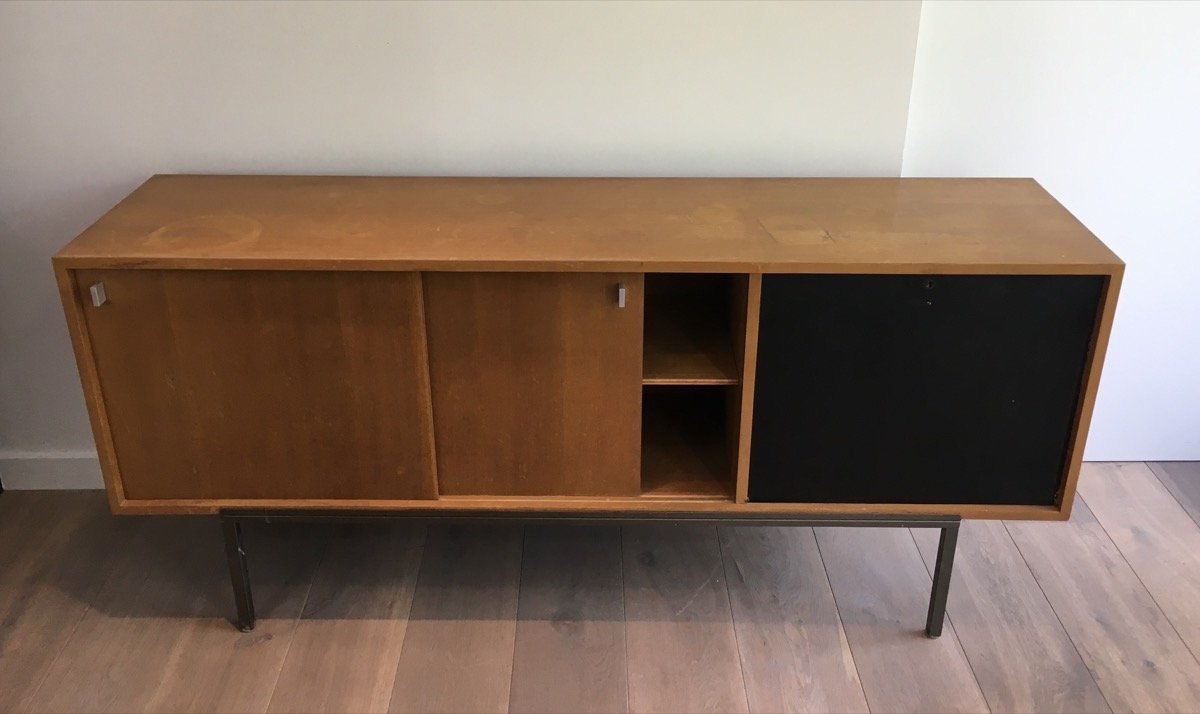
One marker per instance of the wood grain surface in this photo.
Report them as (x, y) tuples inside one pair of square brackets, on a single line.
[(882, 600), (152, 575), (680, 642), (346, 646), (1022, 657), (129, 614), (588, 224), (207, 671), (536, 383), (1182, 479), (1156, 535), (55, 556), (256, 385), (458, 650), (1132, 649), (531, 385), (570, 647), (795, 656), (586, 504)]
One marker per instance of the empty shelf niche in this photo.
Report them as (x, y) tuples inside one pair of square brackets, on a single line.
[(690, 336), (686, 442)]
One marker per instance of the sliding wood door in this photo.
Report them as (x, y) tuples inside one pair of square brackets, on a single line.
[(536, 382), (272, 385)]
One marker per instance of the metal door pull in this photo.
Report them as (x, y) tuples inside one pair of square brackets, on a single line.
[(98, 296)]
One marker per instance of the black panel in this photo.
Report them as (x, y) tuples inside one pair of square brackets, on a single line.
[(918, 389)]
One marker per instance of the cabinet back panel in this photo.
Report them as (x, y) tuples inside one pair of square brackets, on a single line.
[(919, 389), (246, 384)]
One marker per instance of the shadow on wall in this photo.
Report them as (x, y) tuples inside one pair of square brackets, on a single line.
[(40, 388)]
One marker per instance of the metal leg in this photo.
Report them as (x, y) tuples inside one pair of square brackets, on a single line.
[(239, 574), (941, 581)]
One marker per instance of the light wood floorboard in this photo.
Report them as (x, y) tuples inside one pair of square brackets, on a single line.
[(1132, 650), (346, 645), (1182, 479), (795, 656), (55, 560), (882, 590), (458, 652), (99, 613), (207, 671), (1022, 657), (681, 649), (1156, 535), (154, 575), (570, 648)]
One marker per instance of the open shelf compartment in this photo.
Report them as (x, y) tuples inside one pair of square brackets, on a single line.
[(690, 328), (687, 442)]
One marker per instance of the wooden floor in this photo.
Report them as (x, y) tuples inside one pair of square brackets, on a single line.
[(99, 613)]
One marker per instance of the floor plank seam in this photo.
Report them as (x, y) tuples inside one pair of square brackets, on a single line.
[(408, 615), (412, 598), (1070, 637), (75, 628), (84, 597), (1155, 469), (63, 648), (296, 623), (512, 668), (1138, 575), (737, 645), (625, 620), (837, 608)]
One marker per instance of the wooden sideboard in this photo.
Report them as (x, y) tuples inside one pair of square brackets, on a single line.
[(912, 346), (833, 351)]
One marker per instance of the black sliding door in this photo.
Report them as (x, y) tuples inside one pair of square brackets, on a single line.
[(918, 389)]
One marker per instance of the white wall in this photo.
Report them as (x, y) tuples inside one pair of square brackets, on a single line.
[(1100, 102), (95, 97)]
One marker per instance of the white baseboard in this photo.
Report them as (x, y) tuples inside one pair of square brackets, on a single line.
[(34, 470)]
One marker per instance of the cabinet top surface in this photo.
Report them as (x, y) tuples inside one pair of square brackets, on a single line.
[(577, 224)]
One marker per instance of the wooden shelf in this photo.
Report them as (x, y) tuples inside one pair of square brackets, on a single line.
[(687, 354), (685, 453), (688, 338)]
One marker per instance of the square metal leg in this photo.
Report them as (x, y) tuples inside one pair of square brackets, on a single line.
[(239, 574), (941, 581)]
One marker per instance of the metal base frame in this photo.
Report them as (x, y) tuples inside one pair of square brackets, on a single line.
[(239, 573)]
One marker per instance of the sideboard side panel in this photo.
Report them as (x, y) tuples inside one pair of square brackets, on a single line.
[(93, 396), (1090, 387)]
